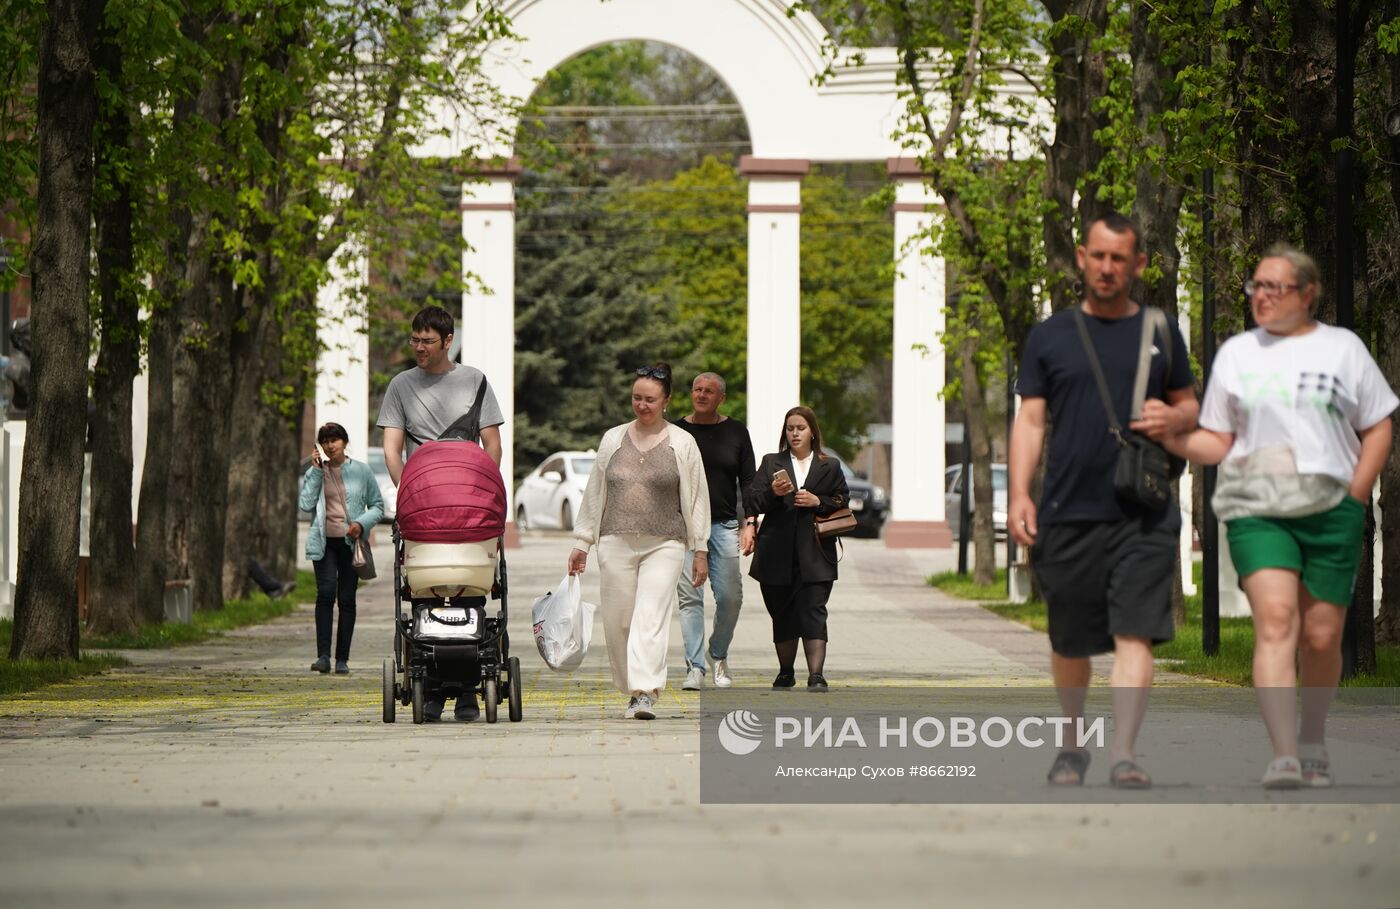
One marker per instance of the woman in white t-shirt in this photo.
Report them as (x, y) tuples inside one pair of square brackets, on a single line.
[(1297, 414)]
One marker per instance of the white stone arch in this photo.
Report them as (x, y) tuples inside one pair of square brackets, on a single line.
[(767, 58), (770, 61)]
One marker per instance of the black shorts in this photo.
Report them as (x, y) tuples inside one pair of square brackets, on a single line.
[(1106, 579)]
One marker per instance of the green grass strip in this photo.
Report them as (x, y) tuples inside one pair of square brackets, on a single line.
[(26, 675), (962, 586), (210, 623), (1233, 665)]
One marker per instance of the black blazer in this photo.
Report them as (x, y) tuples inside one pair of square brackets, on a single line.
[(788, 529)]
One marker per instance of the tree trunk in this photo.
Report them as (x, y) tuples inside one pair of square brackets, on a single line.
[(203, 390), (202, 384), (1387, 320), (1266, 187), (112, 604), (249, 529), (151, 528), (1077, 69), (975, 425), (46, 613)]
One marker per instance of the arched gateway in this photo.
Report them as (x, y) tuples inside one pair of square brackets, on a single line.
[(769, 60)]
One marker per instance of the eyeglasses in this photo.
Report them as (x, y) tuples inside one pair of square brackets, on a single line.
[(423, 342), (654, 372), (1268, 288)]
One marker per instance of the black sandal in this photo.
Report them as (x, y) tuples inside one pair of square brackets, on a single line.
[(1075, 762)]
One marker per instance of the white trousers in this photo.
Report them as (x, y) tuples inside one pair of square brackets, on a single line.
[(639, 575)]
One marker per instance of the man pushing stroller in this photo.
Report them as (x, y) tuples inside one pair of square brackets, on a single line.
[(420, 404)]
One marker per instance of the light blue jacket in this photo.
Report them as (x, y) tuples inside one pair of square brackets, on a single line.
[(362, 498)]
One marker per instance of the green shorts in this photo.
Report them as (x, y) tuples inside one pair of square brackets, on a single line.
[(1324, 548)]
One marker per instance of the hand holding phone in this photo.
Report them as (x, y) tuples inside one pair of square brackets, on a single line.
[(781, 484), (319, 458)]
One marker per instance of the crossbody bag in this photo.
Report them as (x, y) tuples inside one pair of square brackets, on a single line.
[(1144, 471)]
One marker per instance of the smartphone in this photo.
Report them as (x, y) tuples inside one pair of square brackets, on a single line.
[(321, 454), (780, 473)]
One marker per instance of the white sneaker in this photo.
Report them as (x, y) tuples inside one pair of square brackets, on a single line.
[(694, 679), (631, 712), (643, 710), (722, 677), (1283, 773)]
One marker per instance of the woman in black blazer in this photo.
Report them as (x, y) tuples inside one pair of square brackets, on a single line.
[(793, 568)]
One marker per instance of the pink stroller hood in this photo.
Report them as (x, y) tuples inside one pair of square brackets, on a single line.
[(451, 492)]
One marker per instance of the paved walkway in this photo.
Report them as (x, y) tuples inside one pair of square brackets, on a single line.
[(226, 774)]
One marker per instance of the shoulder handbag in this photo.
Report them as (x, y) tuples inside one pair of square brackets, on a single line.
[(363, 559), (832, 527), (841, 521), (1144, 472)]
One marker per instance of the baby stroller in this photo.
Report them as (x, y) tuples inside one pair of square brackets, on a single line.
[(448, 565)]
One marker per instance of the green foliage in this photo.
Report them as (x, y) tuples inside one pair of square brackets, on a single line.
[(847, 309), (19, 152), (689, 239), (584, 319), (693, 238)]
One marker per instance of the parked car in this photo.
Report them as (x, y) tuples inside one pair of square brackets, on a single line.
[(869, 501), (953, 499), (387, 489), (375, 459), (550, 495)]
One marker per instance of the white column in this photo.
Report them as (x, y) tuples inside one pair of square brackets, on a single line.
[(11, 459), (342, 370), (486, 330), (775, 294), (140, 417), (919, 430), (1186, 499)]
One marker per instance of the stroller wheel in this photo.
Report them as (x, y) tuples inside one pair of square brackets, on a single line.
[(389, 694), (513, 698), (488, 694), (418, 700)]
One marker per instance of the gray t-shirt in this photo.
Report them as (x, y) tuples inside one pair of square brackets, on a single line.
[(425, 404)]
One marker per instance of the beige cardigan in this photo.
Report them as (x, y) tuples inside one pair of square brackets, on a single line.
[(695, 491)]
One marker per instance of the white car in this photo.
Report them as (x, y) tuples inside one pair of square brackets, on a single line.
[(551, 494), (952, 481), (387, 489)]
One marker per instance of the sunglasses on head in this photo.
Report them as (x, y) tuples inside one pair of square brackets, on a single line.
[(654, 372)]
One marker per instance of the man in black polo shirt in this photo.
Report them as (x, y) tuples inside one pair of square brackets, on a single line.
[(729, 466), (1105, 568)]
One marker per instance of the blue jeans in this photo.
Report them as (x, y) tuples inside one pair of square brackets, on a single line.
[(727, 583)]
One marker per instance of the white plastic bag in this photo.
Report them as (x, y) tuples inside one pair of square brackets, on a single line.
[(563, 625)]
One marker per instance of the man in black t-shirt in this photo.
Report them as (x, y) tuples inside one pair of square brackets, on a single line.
[(729, 467), (1105, 568)]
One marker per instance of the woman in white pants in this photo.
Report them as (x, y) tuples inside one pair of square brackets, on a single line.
[(646, 503)]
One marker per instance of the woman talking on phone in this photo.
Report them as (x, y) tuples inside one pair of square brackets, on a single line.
[(794, 569), (346, 503)]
